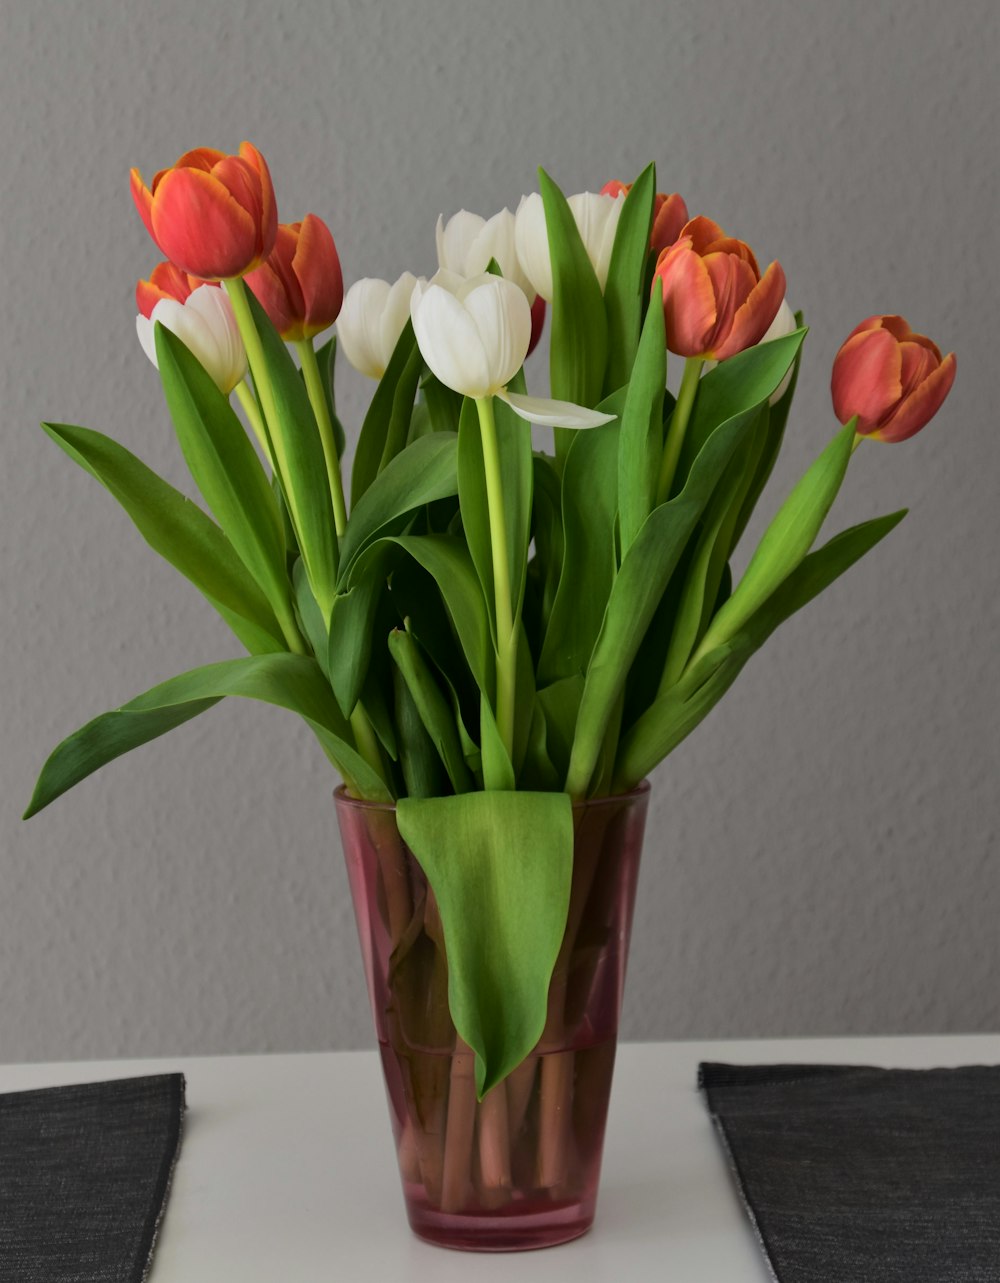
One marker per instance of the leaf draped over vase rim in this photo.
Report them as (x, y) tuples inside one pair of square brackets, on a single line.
[(477, 629)]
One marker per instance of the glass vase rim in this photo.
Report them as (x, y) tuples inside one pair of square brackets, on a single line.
[(342, 797)]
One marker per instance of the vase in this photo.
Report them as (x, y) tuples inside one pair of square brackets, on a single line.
[(520, 1168)]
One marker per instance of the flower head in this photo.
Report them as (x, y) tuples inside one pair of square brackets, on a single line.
[(205, 324), (596, 216), (715, 301), (669, 214), (467, 243), (213, 215), (166, 280), (371, 320), (893, 379), (300, 285)]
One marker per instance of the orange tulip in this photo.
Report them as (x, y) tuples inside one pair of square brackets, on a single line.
[(166, 280), (213, 215), (300, 286), (892, 379), (715, 301), (669, 214)]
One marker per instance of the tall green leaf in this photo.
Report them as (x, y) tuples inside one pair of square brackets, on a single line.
[(579, 331), (623, 293), (500, 866), (293, 682), (385, 409), (641, 582), (225, 467), (302, 463), (641, 441), (674, 715), (425, 471), (326, 359), (589, 506), (786, 540), (179, 531), (432, 707)]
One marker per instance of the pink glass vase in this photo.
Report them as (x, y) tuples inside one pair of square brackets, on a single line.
[(519, 1169)]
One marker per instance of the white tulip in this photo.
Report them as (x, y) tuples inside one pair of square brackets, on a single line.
[(473, 333), (371, 320), (783, 323), (467, 242), (596, 217), (206, 326)]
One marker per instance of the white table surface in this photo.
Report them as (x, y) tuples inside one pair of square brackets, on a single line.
[(287, 1172)]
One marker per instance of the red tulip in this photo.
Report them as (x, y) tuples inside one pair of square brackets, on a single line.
[(669, 214), (715, 301), (300, 286), (892, 379), (213, 215), (166, 280), (537, 323)]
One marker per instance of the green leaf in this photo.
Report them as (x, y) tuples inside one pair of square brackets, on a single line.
[(579, 331), (500, 866), (786, 540), (516, 480), (560, 704), (326, 359), (589, 506), (623, 293), (225, 466), (432, 707), (311, 621), (424, 471), (299, 456), (674, 715), (498, 770), (293, 682), (179, 531), (740, 383), (444, 405), (421, 766), (383, 411), (641, 441), (641, 582)]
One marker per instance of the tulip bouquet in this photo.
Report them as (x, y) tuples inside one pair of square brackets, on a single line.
[(479, 632)]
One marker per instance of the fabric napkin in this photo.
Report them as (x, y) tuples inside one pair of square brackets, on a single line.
[(84, 1177), (857, 1175)]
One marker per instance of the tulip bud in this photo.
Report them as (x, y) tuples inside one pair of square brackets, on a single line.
[(474, 335), (893, 380), (213, 215), (669, 214), (715, 301), (206, 326), (467, 243), (166, 280), (300, 285), (373, 317), (596, 217)]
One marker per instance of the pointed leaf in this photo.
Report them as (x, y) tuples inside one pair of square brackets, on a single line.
[(500, 866), (641, 441), (375, 430), (179, 531), (623, 293), (432, 707)]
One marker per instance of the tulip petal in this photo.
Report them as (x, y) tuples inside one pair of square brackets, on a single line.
[(449, 341), (532, 242), (200, 227), (670, 217), (502, 316), (553, 414), (454, 240), (143, 198), (866, 378), (316, 266), (269, 208), (359, 325), (920, 406), (144, 329), (755, 315), (688, 299)]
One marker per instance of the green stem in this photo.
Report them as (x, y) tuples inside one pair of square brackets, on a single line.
[(364, 738), (678, 426), (858, 438), (252, 410), (506, 637), (317, 398)]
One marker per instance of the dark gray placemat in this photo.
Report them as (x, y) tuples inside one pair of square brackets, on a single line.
[(84, 1177), (859, 1175)]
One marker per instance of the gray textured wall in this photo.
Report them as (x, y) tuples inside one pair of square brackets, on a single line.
[(822, 854)]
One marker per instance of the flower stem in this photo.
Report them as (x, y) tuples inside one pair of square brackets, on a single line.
[(249, 403), (678, 426), (506, 639), (317, 398)]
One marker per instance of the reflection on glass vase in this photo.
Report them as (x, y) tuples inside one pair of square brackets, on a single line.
[(519, 1169)]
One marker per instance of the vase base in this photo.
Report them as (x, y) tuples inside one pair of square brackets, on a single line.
[(511, 1232)]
